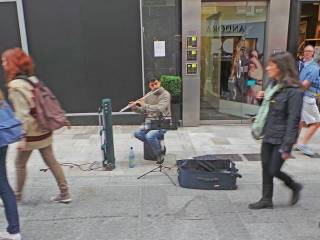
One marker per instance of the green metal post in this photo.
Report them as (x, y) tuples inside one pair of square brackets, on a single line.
[(107, 146)]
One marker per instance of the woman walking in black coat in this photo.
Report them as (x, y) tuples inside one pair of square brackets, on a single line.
[(278, 122)]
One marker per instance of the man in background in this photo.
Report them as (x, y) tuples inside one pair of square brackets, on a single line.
[(310, 79)]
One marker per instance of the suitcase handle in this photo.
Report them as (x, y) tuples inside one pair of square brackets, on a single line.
[(237, 175), (208, 179)]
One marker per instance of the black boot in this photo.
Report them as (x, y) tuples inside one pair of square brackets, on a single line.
[(266, 200), (296, 189), (261, 204)]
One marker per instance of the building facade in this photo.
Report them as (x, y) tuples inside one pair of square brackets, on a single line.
[(90, 50)]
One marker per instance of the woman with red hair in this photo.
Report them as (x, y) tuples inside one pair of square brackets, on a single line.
[(15, 63)]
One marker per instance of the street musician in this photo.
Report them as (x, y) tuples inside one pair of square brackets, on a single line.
[(154, 107)]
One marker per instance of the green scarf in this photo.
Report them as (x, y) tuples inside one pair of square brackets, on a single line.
[(260, 120)]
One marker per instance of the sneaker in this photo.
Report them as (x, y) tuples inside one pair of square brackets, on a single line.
[(295, 148), (160, 159), (305, 149), (9, 236), (61, 198)]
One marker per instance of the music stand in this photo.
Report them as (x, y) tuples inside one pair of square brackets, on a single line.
[(168, 123)]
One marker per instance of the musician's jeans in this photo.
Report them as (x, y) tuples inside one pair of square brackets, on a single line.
[(152, 137)]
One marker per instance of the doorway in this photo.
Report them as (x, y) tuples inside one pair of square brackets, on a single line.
[(232, 53)]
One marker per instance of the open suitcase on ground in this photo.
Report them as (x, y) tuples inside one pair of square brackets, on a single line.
[(207, 172)]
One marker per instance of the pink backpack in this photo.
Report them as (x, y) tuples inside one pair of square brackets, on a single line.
[(47, 110)]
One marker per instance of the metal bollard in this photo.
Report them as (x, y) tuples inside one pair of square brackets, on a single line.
[(106, 134)]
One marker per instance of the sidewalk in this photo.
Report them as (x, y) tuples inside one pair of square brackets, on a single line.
[(116, 206)]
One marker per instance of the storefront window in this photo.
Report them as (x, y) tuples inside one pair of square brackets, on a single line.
[(309, 30), (233, 35)]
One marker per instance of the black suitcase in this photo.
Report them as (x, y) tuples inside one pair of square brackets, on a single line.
[(207, 172)]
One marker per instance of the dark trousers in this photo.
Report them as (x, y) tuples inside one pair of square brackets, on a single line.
[(271, 167), (7, 196)]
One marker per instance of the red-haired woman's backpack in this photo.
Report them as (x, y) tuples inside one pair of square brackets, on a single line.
[(47, 111)]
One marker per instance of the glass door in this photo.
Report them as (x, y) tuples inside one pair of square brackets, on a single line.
[(232, 52)]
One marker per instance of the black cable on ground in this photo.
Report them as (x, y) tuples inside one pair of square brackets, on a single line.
[(86, 167)]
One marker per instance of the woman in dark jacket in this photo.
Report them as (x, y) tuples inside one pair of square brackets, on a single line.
[(281, 127)]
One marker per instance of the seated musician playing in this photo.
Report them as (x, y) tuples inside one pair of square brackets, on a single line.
[(155, 106)]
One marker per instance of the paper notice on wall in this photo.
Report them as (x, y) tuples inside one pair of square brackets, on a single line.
[(159, 48)]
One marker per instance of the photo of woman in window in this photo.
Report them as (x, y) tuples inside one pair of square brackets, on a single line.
[(255, 76)]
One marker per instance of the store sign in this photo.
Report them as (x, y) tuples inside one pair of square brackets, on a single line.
[(237, 28)]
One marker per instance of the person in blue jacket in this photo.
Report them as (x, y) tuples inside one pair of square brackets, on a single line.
[(310, 116), (6, 192)]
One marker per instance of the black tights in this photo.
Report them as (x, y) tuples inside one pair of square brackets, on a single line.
[(271, 167)]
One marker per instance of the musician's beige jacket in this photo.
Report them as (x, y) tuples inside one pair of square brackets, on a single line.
[(156, 104)]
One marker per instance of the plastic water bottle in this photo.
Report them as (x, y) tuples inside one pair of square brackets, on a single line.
[(131, 158)]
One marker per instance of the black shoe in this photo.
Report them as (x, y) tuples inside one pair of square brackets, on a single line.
[(160, 159), (261, 204), (296, 189)]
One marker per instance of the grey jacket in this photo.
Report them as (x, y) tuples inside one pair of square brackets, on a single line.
[(156, 105)]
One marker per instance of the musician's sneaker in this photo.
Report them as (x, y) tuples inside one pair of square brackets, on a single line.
[(160, 159)]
